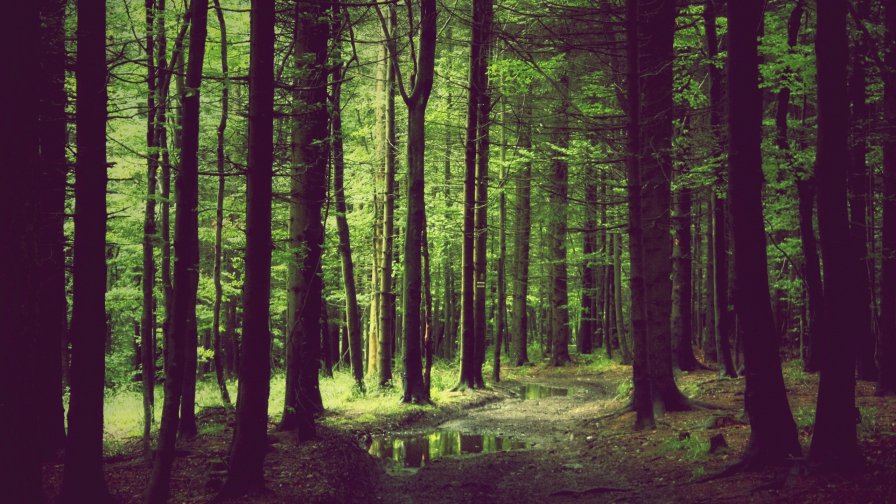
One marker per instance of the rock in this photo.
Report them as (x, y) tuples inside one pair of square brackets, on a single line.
[(717, 443), (683, 435)]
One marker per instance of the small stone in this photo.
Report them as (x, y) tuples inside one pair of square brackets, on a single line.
[(683, 435), (717, 443)]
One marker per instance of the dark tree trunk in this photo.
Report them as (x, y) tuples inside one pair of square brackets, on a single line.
[(559, 190), (857, 180), (353, 314), (520, 326), (501, 335), (887, 343), (624, 342), (147, 321), (386, 303), (473, 287), (83, 478), (658, 25), (427, 312), (642, 396), (186, 261), (588, 325), (416, 100), (834, 441), (22, 175), (681, 280), (219, 211), (246, 463), (773, 436), (53, 312), (308, 192), (326, 349)]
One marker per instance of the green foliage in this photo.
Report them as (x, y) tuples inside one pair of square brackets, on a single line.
[(692, 446)]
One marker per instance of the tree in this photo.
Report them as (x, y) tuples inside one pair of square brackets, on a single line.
[(20, 470), (83, 477), (658, 20), (834, 441), (642, 395), (186, 260), (386, 304), (308, 191), (246, 464), (523, 232), (352, 313), (773, 435), (559, 192), (53, 317)]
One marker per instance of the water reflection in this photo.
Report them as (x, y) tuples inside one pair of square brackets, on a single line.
[(416, 451), (536, 391)]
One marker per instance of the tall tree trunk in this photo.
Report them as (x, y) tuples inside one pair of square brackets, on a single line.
[(83, 477), (386, 304), (624, 341), (773, 436), (558, 202), (53, 311), (658, 24), (352, 313), (642, 395), (857, 180), (186, 260), (471, 291), (483, 144), (246, 462), (682, 327), (588, 325), (501, 318), (521, 238), (219, 211), (147, 321), (887, 343), (22, 174), (308, 191), (427, 312), (834, 441)]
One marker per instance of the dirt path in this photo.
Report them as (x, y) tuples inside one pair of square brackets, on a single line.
[(552, 467)]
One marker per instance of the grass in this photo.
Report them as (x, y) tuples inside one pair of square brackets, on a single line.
[(693, 446), (804, 418), (794, 373)]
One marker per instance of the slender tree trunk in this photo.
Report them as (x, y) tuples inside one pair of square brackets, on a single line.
[(834, 441), (642, 395), (386, 304), (219, 211), (857, 181), (186, 262), (427, 312), (52, 307), (308, 191), (246, 463), (558, 204), (773, 436), (588, 325), (83, 476), (682, 327), (353, 314), (522, 234), (501, 319), (624, 342)]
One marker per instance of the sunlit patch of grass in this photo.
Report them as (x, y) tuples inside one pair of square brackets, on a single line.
[(624, 389), (804, 418), (697, 472), (794, 373), (869, 424), (693, 446)]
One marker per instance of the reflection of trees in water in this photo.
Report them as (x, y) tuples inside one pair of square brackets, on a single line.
[(417, 451)]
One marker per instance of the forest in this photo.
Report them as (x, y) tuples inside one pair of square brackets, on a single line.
[(334, 251)]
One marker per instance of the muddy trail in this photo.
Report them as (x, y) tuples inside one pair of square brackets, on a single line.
[(524, 447)]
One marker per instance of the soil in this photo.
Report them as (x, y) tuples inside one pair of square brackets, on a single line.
[(580, 449)]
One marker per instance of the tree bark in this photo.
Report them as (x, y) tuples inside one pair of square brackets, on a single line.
[(642, 395), (52, 304), (658, 20), (558, 203), (887, 339), (521, 238), (246, 462), (834, 441), (308, 192), (83, 476), (353, 314), (588, 325), (682, 327), (186, 260), (386, 303), (773, 436)]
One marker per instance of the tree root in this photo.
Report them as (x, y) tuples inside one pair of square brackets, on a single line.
[(588, 491)]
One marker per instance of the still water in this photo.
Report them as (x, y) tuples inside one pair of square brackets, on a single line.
[(415, 451)]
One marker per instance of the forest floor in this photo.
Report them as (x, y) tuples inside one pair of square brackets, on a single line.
[(537, 445)]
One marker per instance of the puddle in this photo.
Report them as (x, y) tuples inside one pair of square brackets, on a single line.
[(536, 391), (415, 451)]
